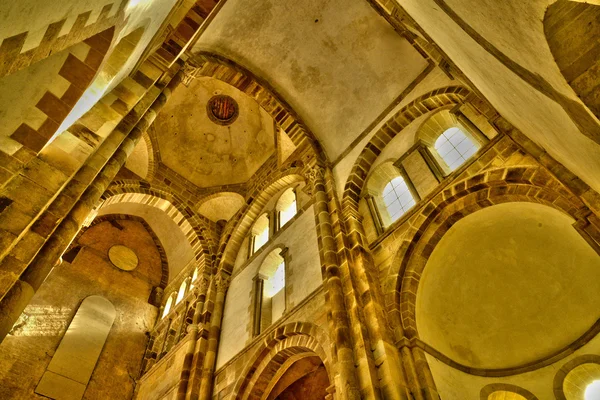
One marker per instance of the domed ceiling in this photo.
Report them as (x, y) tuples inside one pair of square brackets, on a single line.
[(212, 134)]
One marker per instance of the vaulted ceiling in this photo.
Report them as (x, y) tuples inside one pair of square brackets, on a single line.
[(338, 63)]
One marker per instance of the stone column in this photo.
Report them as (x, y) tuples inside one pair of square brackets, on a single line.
[(375, 215), (206, 383), (193, 329), (15, 301), (287, 274), (426, 384), (392, 381), (259, 284), (340, 332)]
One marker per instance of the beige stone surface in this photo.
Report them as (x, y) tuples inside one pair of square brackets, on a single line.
[(324, 62), (58, 387), (508, 285), (516, 29), (208, 154)]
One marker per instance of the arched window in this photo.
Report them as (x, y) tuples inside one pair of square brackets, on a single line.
[(194, 277), (397, 198), (269, 291), (455, 147), (181, 292), (260, 232), (168, 305), (287, 206)]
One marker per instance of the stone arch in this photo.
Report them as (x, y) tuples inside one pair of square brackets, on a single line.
[(240, 225), (197, 228), (578, 24), (435, 100), (39, 98), (488, 390), (561, 375), (505, 185), (287, 341), (221, 205), (228, 71)]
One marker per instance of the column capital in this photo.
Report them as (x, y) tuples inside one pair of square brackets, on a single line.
[(312, 175), (222, 280)]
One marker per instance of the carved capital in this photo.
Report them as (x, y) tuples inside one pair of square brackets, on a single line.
[(222, 280), (312, 175)]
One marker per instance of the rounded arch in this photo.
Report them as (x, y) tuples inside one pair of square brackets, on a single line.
[(186, 236), (288, 341), (141, 191), (434, 125), (576, 23), (521, 394), (440, 214), (221, 205), (561, 376), (240, 225), (435, 100)]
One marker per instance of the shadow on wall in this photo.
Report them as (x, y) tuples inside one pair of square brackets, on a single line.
[(36, 100), (573, 33)]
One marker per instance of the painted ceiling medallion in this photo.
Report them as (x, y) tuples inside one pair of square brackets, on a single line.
[(222, 109), (123, 257)]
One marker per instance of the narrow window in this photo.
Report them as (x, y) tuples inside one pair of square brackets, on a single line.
[(168, 305), (261, 232), (454, 147), (181, 293), (194, 277), (286, 206), (397, 198), (269, 292)]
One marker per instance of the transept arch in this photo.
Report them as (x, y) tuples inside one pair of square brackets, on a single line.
[(194, 230), (288, 342)]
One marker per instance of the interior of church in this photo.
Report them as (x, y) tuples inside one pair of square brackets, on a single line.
[(300, 200)]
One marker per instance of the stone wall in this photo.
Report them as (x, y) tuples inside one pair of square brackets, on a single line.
[(29, 348)]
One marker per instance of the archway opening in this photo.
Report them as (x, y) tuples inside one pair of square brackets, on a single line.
[(305, 378)]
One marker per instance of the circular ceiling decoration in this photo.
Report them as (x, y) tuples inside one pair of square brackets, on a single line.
[(222, 109), (123, 257)]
